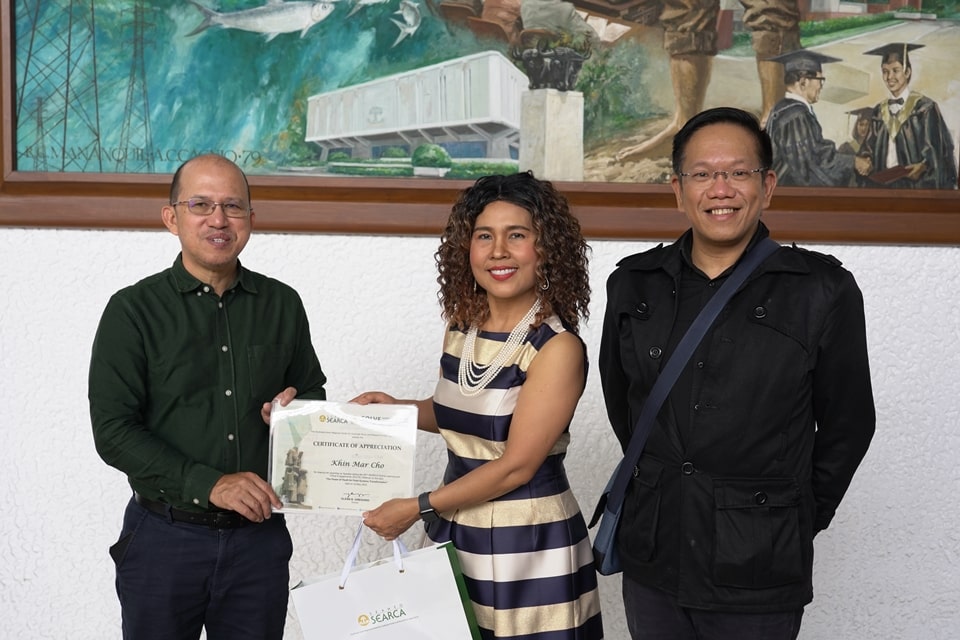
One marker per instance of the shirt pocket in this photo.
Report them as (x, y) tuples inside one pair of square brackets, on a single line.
[(268, 369), (757, 542)]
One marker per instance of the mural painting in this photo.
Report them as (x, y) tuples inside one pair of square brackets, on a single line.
[(855, 94)]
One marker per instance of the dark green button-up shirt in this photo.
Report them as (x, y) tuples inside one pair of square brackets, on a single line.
[(179, 374)]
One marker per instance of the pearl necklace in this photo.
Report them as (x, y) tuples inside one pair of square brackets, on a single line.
[(471, 383)]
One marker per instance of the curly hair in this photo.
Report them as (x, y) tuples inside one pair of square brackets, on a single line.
[(560, 245)]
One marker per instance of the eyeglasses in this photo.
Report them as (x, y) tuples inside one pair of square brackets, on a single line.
[(201, 207), (822, 80), (706, 177)]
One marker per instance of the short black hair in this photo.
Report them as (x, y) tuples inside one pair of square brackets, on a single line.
[(175, 183), (795, 76), (895, 55), (722, 115)]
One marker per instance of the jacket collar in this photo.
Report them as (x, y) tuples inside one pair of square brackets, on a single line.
[(671, 258)]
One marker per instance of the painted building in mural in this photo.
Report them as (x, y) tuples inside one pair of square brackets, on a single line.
[(474, 98)]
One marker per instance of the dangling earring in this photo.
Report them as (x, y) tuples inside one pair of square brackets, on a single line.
[(475, 286), (546, 284)]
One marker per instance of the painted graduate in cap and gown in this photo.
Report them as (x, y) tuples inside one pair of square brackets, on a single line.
[(802, 157), (911, 145), (859, 132)]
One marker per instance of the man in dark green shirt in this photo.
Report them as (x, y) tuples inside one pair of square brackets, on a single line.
[(185, 366)]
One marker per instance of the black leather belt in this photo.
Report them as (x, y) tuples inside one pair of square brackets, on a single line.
[(211, 519)]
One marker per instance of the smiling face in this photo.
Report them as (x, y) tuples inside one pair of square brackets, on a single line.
[(895, 76), (724, 213), (210, 244), (503, 254)]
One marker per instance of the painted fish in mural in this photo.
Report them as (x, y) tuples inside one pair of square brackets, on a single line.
[(271, 19), (359, 4), (410, 12)]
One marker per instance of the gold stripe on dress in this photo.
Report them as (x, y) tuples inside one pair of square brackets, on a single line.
[(485, 350), (510, 567), (528, 620), (489, 402), (517, 513), (477, 448)]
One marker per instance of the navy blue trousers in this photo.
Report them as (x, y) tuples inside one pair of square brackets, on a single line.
[(175, 578), (655, 615)]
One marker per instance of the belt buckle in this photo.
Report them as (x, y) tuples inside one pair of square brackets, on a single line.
[(227, 520)]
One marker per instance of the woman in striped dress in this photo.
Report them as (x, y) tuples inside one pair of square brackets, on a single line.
[(513, 286)]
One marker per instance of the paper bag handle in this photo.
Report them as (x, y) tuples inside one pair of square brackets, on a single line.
[(399, 550)]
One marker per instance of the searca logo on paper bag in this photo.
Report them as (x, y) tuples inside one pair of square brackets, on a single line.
[(383, 615)]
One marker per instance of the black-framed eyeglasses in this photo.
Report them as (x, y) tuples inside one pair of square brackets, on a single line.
[(706, 177), (822, 80), (203, 207)]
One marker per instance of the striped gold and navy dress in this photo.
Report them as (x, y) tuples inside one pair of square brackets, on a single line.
[(526, 556)]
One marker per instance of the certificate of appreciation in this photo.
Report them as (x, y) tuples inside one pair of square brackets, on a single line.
[(340, 457)]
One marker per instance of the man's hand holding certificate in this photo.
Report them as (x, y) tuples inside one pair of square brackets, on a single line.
[(341, 458)]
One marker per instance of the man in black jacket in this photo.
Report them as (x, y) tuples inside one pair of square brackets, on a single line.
[(761, 435)]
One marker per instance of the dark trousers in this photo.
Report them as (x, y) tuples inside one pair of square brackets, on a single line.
[(175, 578), (655, 615)]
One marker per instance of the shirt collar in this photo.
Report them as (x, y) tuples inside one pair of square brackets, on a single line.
[(686, 248), (187, 283), (904, 95), (799, 98)]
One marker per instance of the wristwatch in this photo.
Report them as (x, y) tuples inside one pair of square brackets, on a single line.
[(427, 513)]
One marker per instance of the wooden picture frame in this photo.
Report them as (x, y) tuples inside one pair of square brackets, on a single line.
[(417, 206)]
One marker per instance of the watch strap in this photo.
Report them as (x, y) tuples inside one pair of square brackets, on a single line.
[(427, 512)]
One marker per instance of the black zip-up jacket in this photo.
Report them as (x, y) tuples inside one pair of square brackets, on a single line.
[(724, 503)]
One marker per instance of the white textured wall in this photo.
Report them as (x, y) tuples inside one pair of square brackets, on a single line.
[(887, 568)]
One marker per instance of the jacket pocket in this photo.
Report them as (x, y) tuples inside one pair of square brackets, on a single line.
[(757, 541), (641, 511)]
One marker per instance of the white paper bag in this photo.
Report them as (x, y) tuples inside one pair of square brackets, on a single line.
[(418, 595)]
